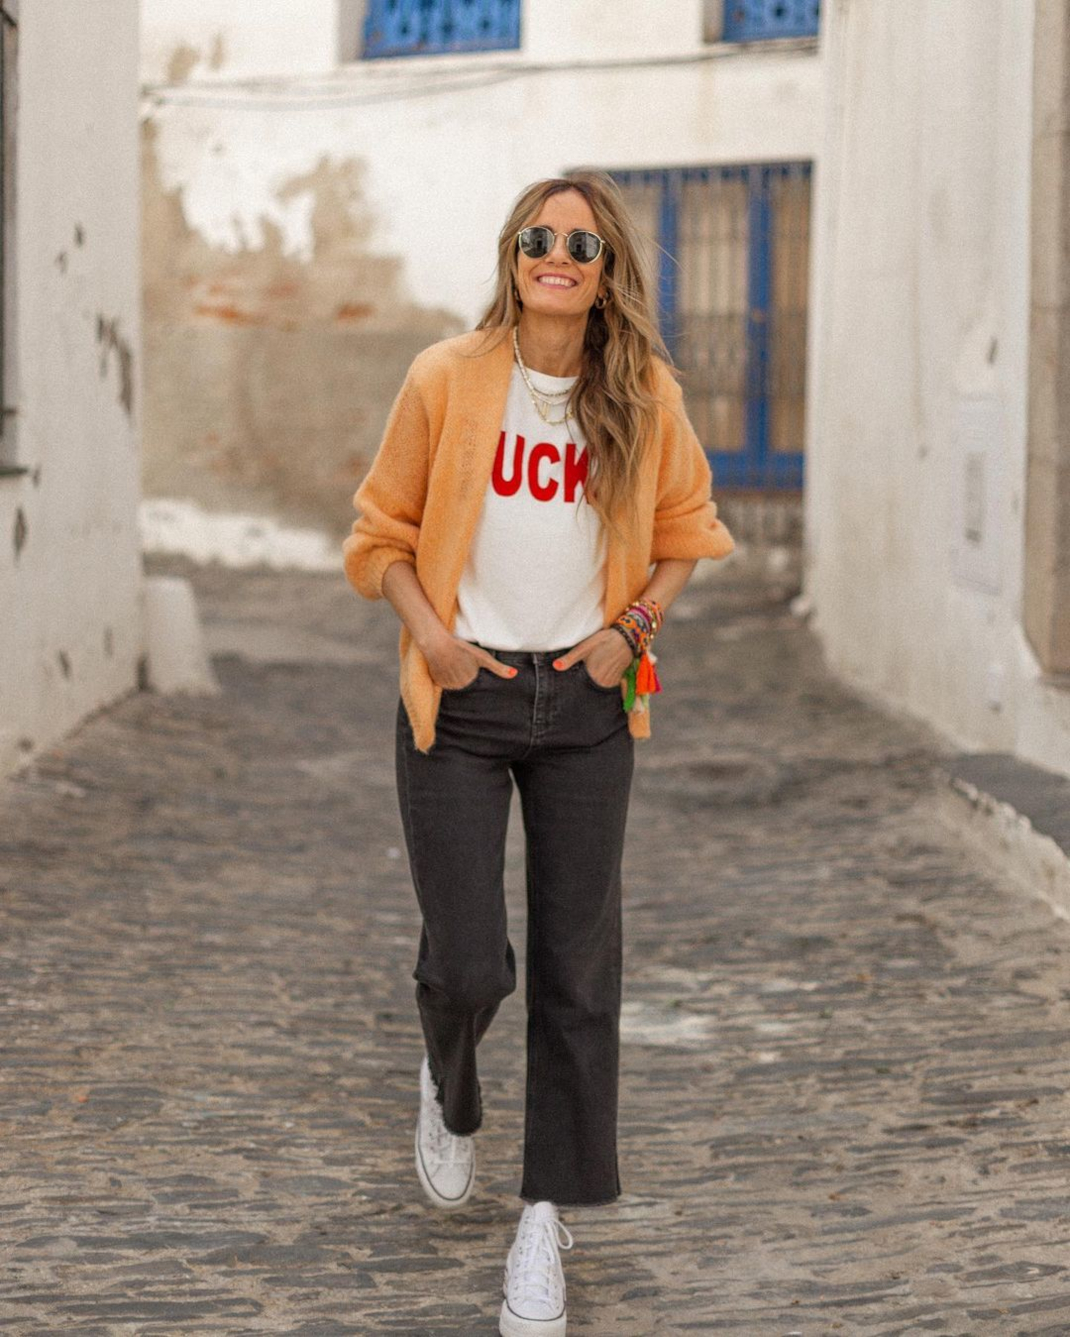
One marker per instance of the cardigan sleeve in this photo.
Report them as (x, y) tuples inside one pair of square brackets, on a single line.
[(391, 497), (685, 517)]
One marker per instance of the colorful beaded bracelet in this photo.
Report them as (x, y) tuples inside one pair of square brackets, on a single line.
[(638, 624)]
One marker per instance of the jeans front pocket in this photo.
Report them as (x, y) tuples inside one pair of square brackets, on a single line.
[(467, 687), (613, 687)]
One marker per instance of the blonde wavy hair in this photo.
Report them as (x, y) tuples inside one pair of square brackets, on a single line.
[(614, 399)]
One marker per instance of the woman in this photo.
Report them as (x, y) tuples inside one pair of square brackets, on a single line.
[(531, 472)]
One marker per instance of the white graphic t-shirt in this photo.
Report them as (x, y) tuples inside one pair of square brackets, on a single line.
[(535, 574)]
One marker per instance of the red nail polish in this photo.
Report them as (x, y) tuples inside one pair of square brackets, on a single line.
[(557, 663), (513, 672)]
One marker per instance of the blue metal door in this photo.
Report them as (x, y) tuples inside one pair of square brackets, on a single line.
[(731, 247)]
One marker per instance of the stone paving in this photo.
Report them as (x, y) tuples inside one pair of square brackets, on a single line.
[(845, 1058)]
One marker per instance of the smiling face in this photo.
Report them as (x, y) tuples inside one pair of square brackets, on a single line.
[(557, 285)]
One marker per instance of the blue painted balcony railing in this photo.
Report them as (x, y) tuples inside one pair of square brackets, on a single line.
[(753, 20), (434, 27)]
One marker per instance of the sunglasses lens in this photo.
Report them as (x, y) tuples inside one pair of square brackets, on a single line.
[(536, 242), (584, 247)]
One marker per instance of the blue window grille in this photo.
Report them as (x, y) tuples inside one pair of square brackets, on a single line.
[(732, 273), (434, 27), (755, 20)]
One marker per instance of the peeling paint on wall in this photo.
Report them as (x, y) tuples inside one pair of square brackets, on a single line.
[(185, 58), (181, 63), (111, 341), (268, 372), (20, 532)]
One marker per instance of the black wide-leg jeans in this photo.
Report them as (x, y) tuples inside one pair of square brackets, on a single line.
[(565, 740)]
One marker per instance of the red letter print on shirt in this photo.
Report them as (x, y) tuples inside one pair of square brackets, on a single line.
[(508, 487), (543, 451), (575, 470), (529, 471)]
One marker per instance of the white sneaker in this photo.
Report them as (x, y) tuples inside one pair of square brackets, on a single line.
[(534, 1304), (445, 1163)]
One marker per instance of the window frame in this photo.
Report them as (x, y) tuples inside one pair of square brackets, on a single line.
[(755, 464), (722, 23), (376, 44)]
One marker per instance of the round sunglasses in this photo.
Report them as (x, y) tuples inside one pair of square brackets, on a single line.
[(583, 246)]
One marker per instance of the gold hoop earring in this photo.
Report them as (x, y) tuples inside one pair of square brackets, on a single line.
[(516, 296), (601, 301)]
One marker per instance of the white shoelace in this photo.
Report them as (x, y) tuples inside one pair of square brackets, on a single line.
[(445, 1146), (535, 1273)]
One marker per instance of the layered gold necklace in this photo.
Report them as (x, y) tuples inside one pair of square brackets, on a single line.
[(555, 398)]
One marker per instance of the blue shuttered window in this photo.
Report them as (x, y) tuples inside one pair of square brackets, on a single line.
[(753, 20), (731, 271), (433, 27)]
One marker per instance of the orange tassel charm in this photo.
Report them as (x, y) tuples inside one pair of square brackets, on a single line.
[(646, 676)]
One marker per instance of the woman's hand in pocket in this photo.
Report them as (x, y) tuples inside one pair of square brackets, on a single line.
[(455, 663), (606, 655)]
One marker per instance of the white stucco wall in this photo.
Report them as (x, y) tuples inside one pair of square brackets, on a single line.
[(69, 594), (920, 304), (446, 142), (205, 40)]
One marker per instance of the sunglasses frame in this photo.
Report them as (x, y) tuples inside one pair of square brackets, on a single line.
[(543, 227)]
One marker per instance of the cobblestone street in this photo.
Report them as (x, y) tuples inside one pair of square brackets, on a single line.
[(845, 1061)]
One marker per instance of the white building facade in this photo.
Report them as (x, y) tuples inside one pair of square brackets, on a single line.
[(70, 562), (860, 222), (324, 189), (938, 479)]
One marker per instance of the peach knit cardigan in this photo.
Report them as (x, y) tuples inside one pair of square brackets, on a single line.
[(421, 498)]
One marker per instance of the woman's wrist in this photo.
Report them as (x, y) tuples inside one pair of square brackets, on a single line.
[(402, 589), (623, 635), (431, 637), (639, 624)]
